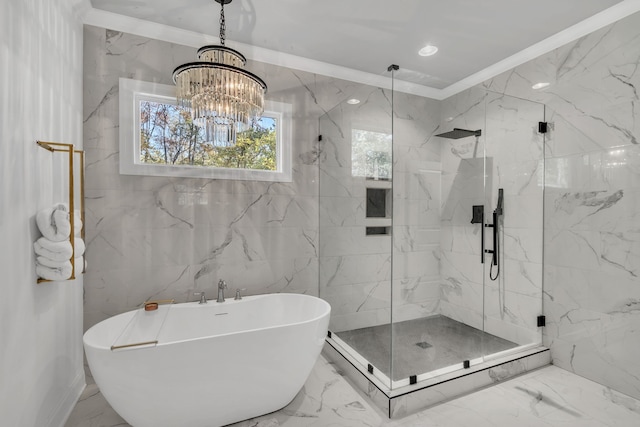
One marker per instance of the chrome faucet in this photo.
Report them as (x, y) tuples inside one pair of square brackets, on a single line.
[(238, 295), (203, 298), (222, 285)]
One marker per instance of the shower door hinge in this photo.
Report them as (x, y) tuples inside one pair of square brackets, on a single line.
[(319, 137), (542, 321), (328, 334), (542, 127), (413, 379), (466, 364), (370, 368)]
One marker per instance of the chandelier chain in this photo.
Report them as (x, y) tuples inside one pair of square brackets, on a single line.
[(223, 26)]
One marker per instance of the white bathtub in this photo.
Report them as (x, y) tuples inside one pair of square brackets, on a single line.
[(213, 364)]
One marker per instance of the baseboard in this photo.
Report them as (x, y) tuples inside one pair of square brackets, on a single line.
[(68, 402)]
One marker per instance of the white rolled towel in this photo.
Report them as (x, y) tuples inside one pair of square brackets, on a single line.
[(61, 272), (80, 264), (78, 247), (55, 251), (54, 222), (47, 262), (77, 222)]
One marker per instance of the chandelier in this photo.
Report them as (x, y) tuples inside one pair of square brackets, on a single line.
[(223, 97)]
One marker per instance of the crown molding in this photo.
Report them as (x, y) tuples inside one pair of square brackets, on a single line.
[(581, 29), (152, 30)]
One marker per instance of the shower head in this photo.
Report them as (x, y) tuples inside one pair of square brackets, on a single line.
[(457, 133)]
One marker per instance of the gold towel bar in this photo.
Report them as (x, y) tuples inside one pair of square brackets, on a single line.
[(116, 347), (68, 148)]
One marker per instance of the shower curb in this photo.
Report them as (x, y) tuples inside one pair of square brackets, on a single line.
[(409, 399)]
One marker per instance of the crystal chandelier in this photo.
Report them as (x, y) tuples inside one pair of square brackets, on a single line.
[(223, 97)]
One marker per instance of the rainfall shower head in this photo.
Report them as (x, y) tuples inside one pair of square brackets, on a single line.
[(457, 133)]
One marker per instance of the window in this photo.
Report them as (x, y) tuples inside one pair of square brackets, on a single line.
[(157, 138), (371, 154)]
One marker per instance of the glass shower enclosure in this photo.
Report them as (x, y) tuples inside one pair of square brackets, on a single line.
[(431, 230)]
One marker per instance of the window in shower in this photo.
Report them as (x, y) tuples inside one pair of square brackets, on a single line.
[(157, 137), (371, 154)]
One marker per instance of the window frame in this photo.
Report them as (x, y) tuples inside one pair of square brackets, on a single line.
[(131, 92)]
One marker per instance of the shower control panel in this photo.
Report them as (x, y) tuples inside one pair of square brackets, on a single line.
[(477, 214)]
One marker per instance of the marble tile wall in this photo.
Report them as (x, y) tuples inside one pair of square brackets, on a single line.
[(360, 275), (591, 200), (462, 187), (41, 369), (416, 208), (507, 307), (153, 237), (355, 269)]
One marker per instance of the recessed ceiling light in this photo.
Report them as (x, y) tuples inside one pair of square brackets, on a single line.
[(428, 50), (353, 101), (540, 85)]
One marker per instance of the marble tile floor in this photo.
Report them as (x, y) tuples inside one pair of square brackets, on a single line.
[(422, 345), (549, 396)]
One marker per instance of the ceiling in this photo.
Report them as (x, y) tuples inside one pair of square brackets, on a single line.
[(369, 35)]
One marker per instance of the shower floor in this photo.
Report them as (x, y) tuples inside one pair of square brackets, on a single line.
[(422, 345)]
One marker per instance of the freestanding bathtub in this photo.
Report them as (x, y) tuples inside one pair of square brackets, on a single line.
[(206, 365)]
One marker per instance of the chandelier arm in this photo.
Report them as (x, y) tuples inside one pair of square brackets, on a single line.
[(190, 65), (213, 47)]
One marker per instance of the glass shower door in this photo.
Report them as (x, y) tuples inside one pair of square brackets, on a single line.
[(355, 227), (515, 163), (458, 302), (439, 175), (408, 190)]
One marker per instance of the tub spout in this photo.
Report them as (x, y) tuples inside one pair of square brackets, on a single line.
[(222, 285)]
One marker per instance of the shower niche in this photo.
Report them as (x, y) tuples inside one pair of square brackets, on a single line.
[(378, 210), (413, 305)]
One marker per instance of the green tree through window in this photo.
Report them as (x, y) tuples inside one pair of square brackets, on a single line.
[(168, 136)]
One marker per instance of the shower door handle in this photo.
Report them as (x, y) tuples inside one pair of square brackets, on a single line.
[(495, 238), (482, 225)]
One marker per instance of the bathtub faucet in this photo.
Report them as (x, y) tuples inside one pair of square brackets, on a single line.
[(222, 285), (203, 297)]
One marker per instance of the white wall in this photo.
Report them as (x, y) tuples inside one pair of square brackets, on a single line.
[(41, 370)]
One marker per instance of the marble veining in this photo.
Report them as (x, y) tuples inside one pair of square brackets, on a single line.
[(355, 269), (549, 396), (591, 185), (170, 237)]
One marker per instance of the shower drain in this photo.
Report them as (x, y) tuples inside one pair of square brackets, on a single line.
[(423, 344)]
